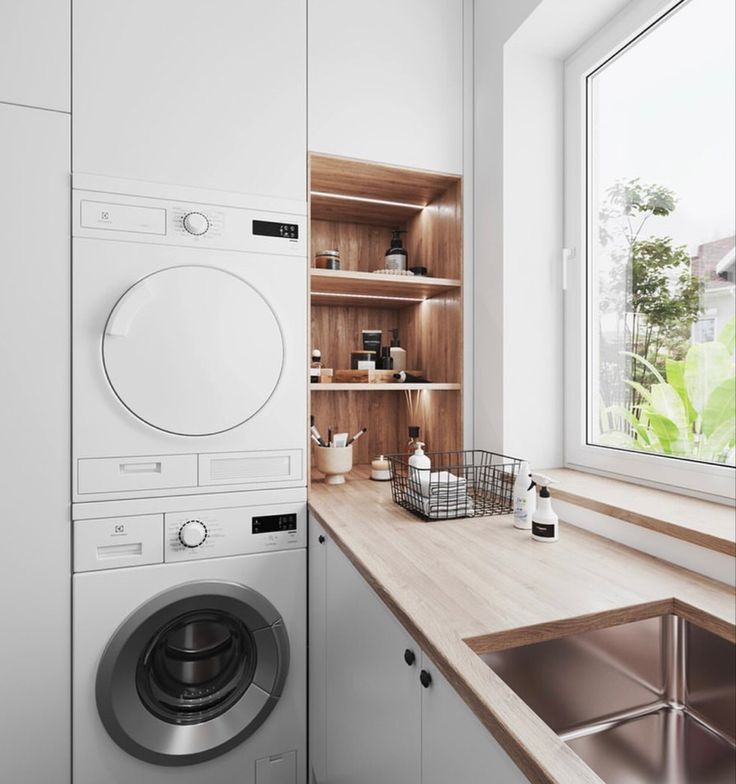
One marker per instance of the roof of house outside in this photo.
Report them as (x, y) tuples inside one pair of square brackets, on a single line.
[(714, 262)]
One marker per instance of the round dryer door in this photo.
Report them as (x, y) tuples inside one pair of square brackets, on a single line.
[(193, 350), (192, 673)]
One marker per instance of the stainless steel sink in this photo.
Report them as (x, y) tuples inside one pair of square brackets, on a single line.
[(646, 702)]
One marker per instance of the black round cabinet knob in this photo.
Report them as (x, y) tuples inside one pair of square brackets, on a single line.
[(321, 539), (425, 679), (409, 656)]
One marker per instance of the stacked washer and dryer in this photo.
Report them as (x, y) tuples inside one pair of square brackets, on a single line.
[(189, 486), (189, 392)]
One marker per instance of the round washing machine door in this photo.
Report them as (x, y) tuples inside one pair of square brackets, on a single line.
[(192, 350), (192, 673)]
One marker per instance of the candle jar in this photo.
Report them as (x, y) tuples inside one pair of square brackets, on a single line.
[(380, 469)]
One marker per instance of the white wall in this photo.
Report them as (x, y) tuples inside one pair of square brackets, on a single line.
[(520, 49), (532, 238), (495, 22)]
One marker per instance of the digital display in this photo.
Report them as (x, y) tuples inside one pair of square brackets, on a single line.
[(270, 524), (289, 231)]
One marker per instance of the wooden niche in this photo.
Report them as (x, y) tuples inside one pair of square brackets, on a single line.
[(354, 206)]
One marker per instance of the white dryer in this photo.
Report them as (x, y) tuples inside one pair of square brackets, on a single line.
[(189, 341), (189, 635)]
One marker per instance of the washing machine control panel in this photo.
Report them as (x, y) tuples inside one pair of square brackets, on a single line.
[(215, 533)]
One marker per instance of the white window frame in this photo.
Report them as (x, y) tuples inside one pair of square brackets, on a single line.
[(690, 476)]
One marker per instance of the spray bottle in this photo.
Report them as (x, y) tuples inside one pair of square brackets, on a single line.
[(525, 498), (545, 523)]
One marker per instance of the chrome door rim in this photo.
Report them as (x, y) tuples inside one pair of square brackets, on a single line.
[(144, 735)]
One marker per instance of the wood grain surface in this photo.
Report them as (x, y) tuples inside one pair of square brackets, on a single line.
[(466, 585), (367, 284), (704, 523), (430, 329), (350, 177)]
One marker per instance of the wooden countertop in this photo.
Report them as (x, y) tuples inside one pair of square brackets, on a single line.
[(466, 586)]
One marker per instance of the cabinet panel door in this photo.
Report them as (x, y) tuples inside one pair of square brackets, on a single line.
[(386, 81), (456, 747), (35, 53), (373, 696), (209, 95), (317, 629), (35, 582)]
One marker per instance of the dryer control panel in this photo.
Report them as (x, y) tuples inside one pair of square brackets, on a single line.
[(219, 532), (245, 226)]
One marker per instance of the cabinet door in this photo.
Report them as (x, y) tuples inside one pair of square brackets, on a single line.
[(372, 727), (317, 640), (35, 582), (209, 95), (386, 81), (35, 53), (456, 747)]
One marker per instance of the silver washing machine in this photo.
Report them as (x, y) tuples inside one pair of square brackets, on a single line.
[(190, 642)]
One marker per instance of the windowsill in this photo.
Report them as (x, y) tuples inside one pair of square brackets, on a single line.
[(693, 520)]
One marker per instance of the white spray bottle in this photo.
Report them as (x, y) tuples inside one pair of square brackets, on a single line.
[(525, 498), (545, 523)]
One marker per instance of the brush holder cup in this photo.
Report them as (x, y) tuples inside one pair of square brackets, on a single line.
[(334, 463)]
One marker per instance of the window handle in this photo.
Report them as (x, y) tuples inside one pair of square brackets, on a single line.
[(567, 254)]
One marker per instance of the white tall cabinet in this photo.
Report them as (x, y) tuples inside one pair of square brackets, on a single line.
[(35, 588), (208, 95), (386, 81), (35, 59), (380, 710)]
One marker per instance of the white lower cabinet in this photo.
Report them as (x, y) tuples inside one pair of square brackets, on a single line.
[(456, 747), (380, 712)]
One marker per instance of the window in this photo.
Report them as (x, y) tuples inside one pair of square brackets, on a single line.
[(651, 220)]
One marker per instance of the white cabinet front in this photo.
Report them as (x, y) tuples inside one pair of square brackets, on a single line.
[(34, 462), (386, 81), (209, 95), (380, 710), (456, 747), (35, 53), (372, 701)]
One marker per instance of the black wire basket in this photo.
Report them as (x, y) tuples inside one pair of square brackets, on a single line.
[(471, 483)]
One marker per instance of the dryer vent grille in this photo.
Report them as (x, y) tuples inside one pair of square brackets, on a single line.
[(250, 467)]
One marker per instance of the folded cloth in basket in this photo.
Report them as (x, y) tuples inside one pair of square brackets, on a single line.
[(444, 496), (441, 511), (439, 484)]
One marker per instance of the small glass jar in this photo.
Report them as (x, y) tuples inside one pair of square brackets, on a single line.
[(327, 259)]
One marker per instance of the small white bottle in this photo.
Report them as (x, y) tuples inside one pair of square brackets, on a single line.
[(398, 354), (420, 468), (525, 498), (545, 523)]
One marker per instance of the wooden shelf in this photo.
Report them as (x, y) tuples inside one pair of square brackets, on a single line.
[(334, 207), (397, 387), (368, 180), (367, 289), (353, 207)]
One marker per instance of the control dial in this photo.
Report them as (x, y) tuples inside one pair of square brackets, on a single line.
[(196, 223), (193, 533)]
